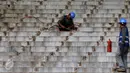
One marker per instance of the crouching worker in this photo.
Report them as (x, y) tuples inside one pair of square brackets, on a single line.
[(123, 46), (66, 22)]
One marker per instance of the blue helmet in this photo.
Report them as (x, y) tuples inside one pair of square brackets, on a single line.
[(72, 15), (123, 21)]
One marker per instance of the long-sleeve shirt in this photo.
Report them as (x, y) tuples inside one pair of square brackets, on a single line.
[(123, 30), (124, 37), (66, 22)]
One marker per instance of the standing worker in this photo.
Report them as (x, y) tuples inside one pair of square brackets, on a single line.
[(123, 43)]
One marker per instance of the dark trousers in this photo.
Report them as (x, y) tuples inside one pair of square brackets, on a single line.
[(121, 56)]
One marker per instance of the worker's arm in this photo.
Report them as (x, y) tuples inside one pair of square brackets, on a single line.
[(123, 35), (72, 26), (60, 22)]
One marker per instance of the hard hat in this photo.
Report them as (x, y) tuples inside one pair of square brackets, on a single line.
[(72, 15), (123, 21)]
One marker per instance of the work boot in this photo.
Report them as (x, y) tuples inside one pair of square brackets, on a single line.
[(114, 69), (121, 70), (116, 66)]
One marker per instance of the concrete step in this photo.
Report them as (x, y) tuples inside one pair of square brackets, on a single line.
[(59, 39), (113, 6), (100, 59), (114, 2), (51, 11), (56, 0), (59, 53), (77, 7), (109, 11), (23, 7), (63, 64), (78, 11), (81, 0), (81, 41), (62, 34), (47, 70), (107, 20), (82, 54), (92, 28), (54, 49), (55, 3)]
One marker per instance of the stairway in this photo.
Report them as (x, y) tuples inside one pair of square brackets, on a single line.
[(27, 47)]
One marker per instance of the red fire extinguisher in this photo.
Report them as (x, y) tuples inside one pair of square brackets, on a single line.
[(109, 46)]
